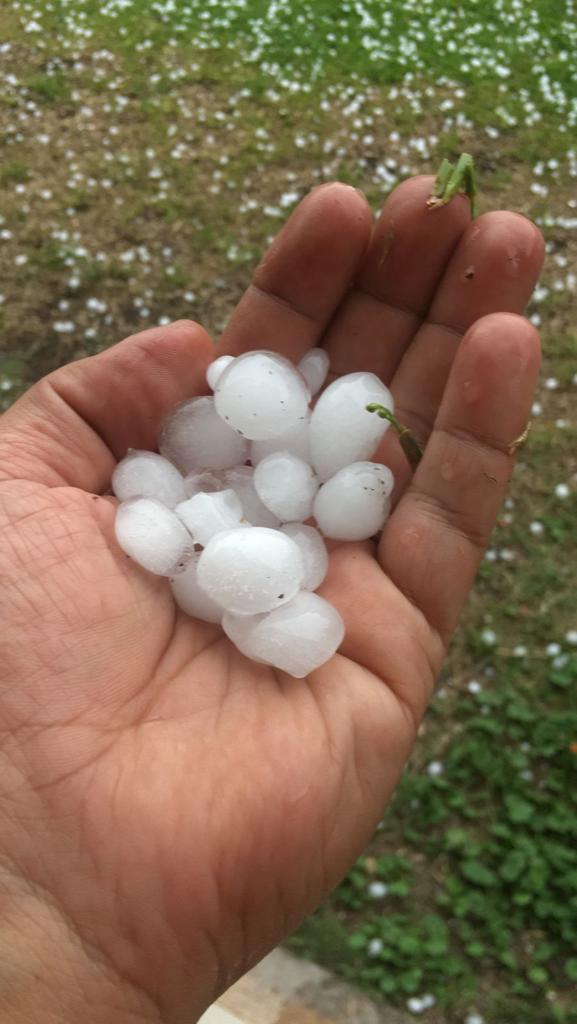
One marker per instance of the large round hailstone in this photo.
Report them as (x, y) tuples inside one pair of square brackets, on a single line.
[(241, 479), (297, 638), (286, 485), (148, 475), (207, 514), (354, 503), (261, 394), (314, 552), (193, 436), (251, 570), (295, 440), (314, 367), (191, 598), (153, 536), (341, 430), (216, 369)]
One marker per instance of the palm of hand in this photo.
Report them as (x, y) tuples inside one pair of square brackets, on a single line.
[(194, 806)]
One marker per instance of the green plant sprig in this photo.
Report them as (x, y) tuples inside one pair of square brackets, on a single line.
[(407, 440)]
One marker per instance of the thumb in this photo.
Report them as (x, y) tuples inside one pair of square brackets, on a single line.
[(72, 426)]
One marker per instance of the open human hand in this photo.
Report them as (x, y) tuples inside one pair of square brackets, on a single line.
[(170, 810)]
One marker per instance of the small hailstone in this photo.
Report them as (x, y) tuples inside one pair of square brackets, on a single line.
[(562, 491), (428, 1000), (295, 440), (342, 431), (193, 436), (297, 638), (286, 485), (314, 367), (314, 552), (536, 528), (474, 1018), (378, 890), (551, 383), (489, 637), (560, 661), (148, 475), (261, 394), (241, 479), (474, 686), (204, 515), (354, 503), (251, 570), (191, 598), (153, 536), (415, 1005), (435, 768), (552, 650), (375, 947), (202, 483), (536, 409), (216, 368), (571, 637), (520, 651)]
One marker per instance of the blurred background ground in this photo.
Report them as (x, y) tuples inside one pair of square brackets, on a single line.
[(148, 151)]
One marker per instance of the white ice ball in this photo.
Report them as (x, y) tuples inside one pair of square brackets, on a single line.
[(194, 436), (341, 430), (191, 598), (314, 367), (241, 479), (261, 394), (297, 638), (251, 570), (148, 475), (286, 485), (153, 536), (295, 440), (204, 515), (216, 369), (314, 552), (354, 503)]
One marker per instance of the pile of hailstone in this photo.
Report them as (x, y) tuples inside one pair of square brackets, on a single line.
[(223, 509)]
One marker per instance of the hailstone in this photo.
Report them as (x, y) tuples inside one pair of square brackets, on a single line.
[(314, 367), (251, 570), (297, 638), (207, 514), (241, 480), (191, 598), (148, 475), (193, 436), (216, 369), (341, 430), (153, 536), (354, 503), (314, 552), (261, 394), (286, 485), (295, 440)]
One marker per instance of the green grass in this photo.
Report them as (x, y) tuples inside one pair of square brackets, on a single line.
[(267, 101)]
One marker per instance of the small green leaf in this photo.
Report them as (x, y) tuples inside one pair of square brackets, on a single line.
[(518, 809), (477, 873), (571, 968)]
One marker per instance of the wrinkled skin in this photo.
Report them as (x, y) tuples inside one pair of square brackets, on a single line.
[(169, 810)]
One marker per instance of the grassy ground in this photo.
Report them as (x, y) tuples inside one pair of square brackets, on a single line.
[(148, 152)]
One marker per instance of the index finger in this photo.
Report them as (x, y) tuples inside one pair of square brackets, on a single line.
[(304, 275)]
